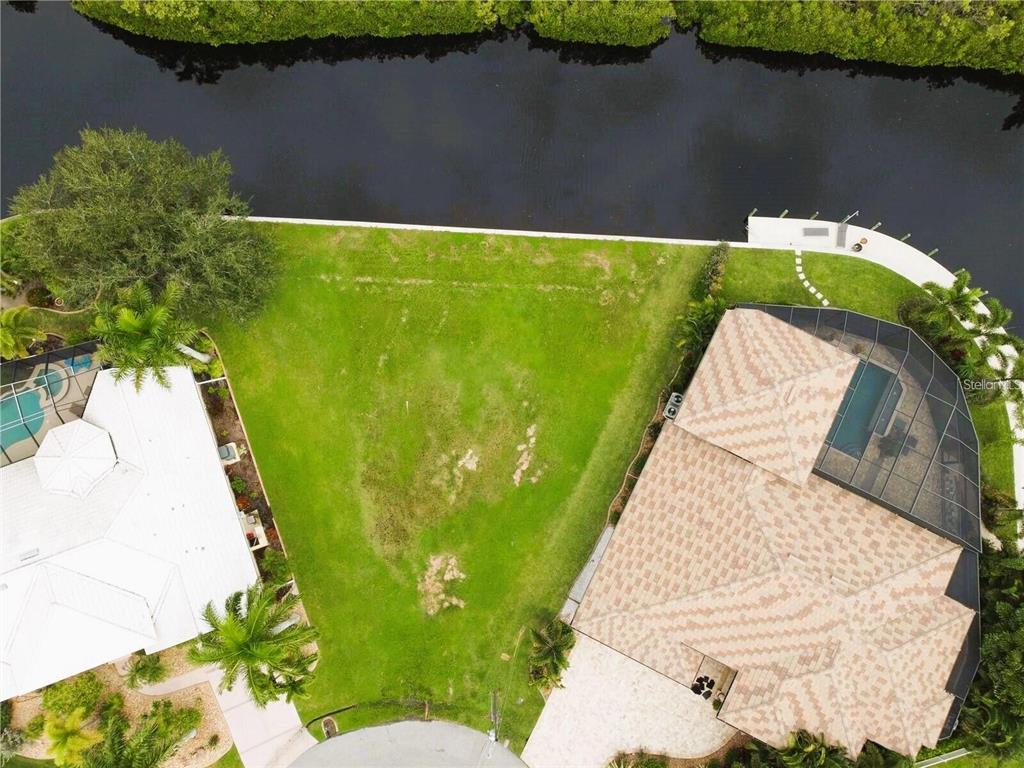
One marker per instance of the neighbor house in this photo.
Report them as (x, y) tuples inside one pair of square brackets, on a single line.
[(801, 547), (117, 523)]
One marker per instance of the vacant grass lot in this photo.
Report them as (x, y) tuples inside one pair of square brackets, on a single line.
[(391, 390), (398, 386)]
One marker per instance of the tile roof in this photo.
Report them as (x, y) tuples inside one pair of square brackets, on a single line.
[(831, 609), (767, 392)]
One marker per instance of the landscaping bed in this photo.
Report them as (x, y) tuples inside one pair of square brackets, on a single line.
[(246, 484), (211, 741)]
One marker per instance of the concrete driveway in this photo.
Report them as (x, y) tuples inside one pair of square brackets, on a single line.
[(611, 704)]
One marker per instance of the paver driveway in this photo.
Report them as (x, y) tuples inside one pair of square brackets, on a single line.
[(611, 704)]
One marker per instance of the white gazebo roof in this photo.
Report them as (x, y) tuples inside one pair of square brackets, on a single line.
[(74, 457)]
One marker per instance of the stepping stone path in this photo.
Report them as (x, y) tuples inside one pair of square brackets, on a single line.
[(807, 283)]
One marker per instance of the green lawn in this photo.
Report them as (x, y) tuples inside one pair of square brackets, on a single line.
[(382, 360), (17, 761), (73, 328), (846, 281), (996, 441), (230, 759), (985, 761), (384, 357)]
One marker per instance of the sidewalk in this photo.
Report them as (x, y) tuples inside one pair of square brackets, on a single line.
[(271, 737)]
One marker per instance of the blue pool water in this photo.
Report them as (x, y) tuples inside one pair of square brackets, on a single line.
[(80, 363), (866, 408), (15, 426), (53, 381)]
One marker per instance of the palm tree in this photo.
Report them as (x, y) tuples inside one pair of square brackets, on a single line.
[(69, 738), (140, 335), (874, 756), (157, 736), (998, 315), (699, 324), (550, 654), (806, 750), (143, 669), (256, 640), (958, 299), (17, 332)]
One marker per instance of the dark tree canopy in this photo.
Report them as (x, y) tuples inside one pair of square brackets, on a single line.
[(120, 208)]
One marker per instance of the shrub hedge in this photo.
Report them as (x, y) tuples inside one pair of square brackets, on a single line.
[(982, 34)]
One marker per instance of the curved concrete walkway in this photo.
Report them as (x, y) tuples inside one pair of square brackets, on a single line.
[(410, 744)]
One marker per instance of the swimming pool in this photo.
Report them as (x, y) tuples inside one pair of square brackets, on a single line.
[(53, 381), (80, 363), (17, 425), (866, 408)]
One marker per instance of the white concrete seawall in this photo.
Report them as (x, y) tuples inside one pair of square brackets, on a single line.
[(833, 237)]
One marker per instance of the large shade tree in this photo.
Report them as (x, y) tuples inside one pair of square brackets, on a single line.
[(119, 208), (140, 335), (258, 641)]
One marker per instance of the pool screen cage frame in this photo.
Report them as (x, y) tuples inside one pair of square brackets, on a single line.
[(938, 489), (939, 388), (18, 377)]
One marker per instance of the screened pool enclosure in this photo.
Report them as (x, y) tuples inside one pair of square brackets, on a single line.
[(903, 436), (40, 392)]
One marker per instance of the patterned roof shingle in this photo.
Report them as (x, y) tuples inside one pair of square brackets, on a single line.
[(831, 609), (767, 392)]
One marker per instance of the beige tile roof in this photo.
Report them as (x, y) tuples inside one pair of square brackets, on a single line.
[(767, 392), (830, 608)]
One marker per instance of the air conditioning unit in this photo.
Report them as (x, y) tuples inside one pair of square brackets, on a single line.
[(675, 400)]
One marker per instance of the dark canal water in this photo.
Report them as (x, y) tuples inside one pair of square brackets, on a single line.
[(680, 141)]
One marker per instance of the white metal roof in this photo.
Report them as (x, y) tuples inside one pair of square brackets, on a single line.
[(73, 458), (131, 564)]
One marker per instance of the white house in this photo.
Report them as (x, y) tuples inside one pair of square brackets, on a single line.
[(115, 535)]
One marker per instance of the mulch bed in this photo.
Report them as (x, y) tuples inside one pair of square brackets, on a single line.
[(228, 428)]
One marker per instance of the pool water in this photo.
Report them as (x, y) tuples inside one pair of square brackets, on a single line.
[(53, 381), (866, 408), (79, 364), (16, 426)]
